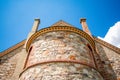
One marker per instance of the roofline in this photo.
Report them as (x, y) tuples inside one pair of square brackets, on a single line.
[(68, 24), (12, 48), (60, 28), (108, 45)]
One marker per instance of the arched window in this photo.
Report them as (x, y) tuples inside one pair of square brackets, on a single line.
[(30, 49), (89, 47)]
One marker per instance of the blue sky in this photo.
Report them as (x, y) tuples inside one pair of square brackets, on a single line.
[(17, 16)]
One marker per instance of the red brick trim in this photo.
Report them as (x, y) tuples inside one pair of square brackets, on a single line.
[(60, 28), (61, 61)]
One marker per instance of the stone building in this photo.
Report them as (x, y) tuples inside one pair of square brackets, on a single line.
[(60, 52)]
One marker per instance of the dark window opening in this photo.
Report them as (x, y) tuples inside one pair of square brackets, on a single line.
[(0, 61), (30, 49), (89, 47)]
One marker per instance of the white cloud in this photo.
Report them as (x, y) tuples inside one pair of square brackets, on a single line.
[(113, 35)]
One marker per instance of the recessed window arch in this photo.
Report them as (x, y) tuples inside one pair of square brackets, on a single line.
[(30, 49), (89, 47)]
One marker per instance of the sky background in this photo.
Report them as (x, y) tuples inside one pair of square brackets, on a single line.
[(17, 17)]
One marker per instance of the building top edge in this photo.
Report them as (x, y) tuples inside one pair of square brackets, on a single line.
[(60, 28)]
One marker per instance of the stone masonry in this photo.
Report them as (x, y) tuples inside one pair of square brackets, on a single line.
[(8, 64), (60, 52), (60, 55)]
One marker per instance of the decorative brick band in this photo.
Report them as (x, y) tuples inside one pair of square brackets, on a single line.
[(60, 28), (62, 61)]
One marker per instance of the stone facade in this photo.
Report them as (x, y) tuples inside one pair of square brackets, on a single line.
[(61, 52), (58, 53), (110, 56), (113, 61), (60, 46), (106, 68), (61, 71), (8, 64)]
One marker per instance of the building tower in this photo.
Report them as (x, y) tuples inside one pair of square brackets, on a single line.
[(61, 52)]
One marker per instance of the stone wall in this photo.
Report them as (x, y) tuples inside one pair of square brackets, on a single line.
[(110, 61), (61, 71), (114, 59), (60, 45), (8, 64), (54, 49)]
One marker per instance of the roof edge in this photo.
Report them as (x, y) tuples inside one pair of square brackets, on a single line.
[(61, 23), (59, 28), (108, 45), (12, 48)]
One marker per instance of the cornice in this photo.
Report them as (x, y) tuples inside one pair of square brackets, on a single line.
[(12, 48), (60, 28), (110, 46)]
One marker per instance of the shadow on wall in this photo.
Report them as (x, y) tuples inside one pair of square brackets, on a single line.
[(108, 70)]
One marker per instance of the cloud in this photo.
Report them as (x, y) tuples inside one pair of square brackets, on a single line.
[(113, 35)]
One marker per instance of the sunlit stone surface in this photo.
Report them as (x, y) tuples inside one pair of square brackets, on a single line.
[(60, 46), (61, 71)]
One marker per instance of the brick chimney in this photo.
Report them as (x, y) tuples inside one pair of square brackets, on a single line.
[(84, 26), (35, 25)]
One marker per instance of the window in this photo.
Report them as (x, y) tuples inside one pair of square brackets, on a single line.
[(89, 47), (30, 49)]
